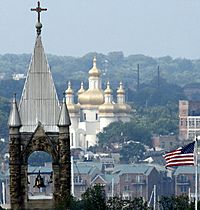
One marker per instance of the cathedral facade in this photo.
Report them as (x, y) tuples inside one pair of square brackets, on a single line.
[(95, 109)]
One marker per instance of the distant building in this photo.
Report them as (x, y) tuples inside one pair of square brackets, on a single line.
[(189, 119), (126, 181), (2, 75), (95, 109), (18, 76), (137, 181), (184, 179), (122, 180), (84, 174), (165, 142)]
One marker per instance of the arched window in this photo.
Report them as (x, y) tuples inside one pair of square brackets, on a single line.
[(40, 176)]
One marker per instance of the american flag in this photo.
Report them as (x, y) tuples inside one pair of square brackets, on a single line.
[(181, 156)]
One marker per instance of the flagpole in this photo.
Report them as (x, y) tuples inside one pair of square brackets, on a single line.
[(196, 174)]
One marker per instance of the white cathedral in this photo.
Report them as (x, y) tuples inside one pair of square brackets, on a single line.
[(95, 109)]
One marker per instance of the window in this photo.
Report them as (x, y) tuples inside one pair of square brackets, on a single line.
[(139, 178), (126, 177), (191, 134), (84, 116), (198, 123), (183, 122), (78, 179), (183, 189), (191, 123), (126, 187), (183, 178), (96, 116)]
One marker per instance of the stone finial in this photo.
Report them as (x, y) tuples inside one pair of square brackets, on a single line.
[(64, 119), (14, 117)]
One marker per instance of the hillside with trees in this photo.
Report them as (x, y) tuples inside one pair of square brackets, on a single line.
[(178, 71), (155, 103)]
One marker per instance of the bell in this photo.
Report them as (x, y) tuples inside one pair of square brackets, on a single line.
[(39, 181)]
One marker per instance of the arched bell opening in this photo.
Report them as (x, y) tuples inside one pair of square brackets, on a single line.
[(39, 176)]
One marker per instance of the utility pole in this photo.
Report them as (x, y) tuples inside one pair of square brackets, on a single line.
[(158, 77), (138, 77)]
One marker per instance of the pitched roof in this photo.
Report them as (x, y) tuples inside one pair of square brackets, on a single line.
[(136, 169), (185, 170), (39, 101), (85, 168)]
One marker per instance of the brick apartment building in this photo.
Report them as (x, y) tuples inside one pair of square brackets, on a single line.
[(189, 119), (126, 181), (184, 180)]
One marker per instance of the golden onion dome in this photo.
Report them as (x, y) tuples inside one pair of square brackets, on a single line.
[(69, 90), (107, 108), (91, 97), (81, 90), (73, 108), (108, 91), (123, 108), (120, 90), (94, 71)]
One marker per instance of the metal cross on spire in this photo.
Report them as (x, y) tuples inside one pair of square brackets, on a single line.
[(38, 9)]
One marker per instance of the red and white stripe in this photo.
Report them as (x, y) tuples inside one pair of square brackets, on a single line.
[(175, 158)]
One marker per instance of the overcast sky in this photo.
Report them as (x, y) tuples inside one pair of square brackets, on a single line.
[(76, 27)]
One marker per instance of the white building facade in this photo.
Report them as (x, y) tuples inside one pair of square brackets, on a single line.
[(95, 109)]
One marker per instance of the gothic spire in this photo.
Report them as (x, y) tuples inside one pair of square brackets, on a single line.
[(64, 119), (39, 101), (14, 118)]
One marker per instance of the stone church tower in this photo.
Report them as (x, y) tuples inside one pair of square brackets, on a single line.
[(39, 124)]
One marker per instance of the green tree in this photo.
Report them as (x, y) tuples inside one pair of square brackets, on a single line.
[(176, 203), (94, 198), (138, 204), (119, 132), (118, 203), (132, 152)]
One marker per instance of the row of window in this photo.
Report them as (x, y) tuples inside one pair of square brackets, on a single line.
[(191, 122), (84, 117), (136, 179)]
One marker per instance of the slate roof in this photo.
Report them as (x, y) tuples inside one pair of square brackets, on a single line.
[(39, 101), (185, 170), (85, 168), (137, 169)]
